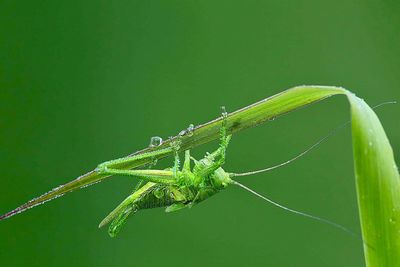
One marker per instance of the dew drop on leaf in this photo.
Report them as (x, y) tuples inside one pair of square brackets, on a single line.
[(155, 141), (223, 112), (190, 130)]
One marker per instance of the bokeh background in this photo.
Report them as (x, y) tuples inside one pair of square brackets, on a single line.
[(82, 82)]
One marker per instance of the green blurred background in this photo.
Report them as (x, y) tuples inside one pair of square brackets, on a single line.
[(82, 82)]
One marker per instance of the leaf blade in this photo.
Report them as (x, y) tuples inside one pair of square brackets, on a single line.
[(378, 186)]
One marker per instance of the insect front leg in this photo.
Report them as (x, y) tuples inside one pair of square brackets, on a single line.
[(223, 145), (219, 154), (217, 158)]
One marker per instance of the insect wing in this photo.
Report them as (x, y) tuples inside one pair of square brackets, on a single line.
[(120, 220), (126, 205)]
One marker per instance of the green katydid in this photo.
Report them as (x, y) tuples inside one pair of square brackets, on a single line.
[(172, 188), (177, 189)]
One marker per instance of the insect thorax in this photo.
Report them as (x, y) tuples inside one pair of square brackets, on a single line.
[(219, 179)]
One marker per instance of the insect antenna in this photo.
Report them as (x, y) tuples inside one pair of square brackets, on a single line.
[(333, 132), (294, 158), (336, 225)]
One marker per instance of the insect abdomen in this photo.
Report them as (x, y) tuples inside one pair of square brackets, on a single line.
[(156, 198)]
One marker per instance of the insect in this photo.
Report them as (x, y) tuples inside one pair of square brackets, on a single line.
[(173, 188), (176, 189)]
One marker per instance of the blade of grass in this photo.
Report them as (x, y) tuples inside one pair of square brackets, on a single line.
[(377, 177), (378, 187), (247, 117)]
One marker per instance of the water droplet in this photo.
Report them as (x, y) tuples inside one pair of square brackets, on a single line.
[(271, 119), (223, 112), (155, 141), (370, 143), (190, 130), (392, 220), (87, 185)]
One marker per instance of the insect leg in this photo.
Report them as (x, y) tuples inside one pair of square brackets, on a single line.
[(175, 207), (140, 182), (186, 163), (196, 162), (128, 159), (190, 205), (218, 154), (224, 142), (155, 176), (175, 169), (200, 196)]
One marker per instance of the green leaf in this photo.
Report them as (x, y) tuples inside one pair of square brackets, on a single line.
[(378, 187)]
